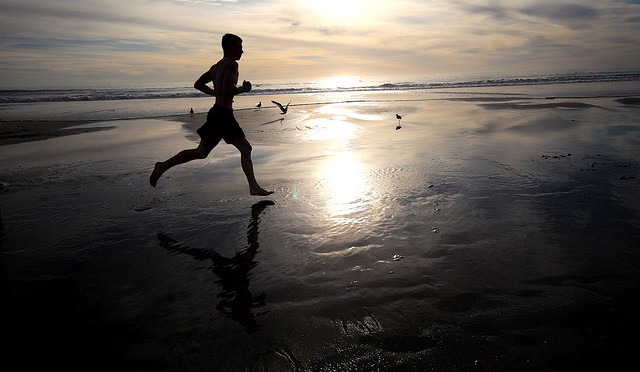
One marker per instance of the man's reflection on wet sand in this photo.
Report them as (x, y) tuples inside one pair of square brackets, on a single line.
[(236, 302)]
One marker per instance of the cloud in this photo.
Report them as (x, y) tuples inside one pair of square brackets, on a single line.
[(562, 11), (175, 39), (494, 10), (123, 45)]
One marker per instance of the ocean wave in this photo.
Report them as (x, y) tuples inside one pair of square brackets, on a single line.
[(75, 95)]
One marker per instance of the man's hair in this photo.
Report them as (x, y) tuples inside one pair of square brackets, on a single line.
[(228, 40)]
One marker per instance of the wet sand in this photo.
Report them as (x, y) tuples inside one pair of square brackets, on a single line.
[(26, 131), (481, 235)]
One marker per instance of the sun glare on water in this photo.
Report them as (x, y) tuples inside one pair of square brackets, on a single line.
[(344, 178), (336, 82)]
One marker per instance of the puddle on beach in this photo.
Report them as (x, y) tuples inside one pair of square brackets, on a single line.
[(471, 237)]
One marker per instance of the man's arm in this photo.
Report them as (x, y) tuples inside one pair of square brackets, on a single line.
[(201, 84), (231, 79)]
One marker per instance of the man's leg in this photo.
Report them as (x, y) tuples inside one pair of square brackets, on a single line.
[(247, 166), (182, 157)]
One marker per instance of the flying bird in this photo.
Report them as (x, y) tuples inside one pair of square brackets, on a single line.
[(282, 108)]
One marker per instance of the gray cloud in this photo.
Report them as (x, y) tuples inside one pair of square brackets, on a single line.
[(562, 11), (497, 11), (123, 45)]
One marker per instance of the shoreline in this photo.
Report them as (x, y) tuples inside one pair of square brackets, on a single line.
[(14, 132), (21, 131)]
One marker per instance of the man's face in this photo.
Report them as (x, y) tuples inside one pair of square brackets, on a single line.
[(236, 51)]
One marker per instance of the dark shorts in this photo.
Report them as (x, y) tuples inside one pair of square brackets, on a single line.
[(221, 124)]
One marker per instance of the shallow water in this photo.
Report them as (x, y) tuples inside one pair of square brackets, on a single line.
[(480, 235)]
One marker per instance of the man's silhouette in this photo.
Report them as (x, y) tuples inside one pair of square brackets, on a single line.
[(221, 124)]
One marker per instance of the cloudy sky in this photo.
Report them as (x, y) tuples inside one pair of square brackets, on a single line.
[(89, 43)]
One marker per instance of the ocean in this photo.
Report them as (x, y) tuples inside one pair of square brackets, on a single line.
[(144, 102)]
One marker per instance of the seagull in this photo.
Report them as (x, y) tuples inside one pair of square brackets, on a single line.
[(283, 109), (399, 118), (259, 105)]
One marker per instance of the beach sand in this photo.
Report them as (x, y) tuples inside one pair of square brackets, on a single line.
[(26, 131), (484, 234)]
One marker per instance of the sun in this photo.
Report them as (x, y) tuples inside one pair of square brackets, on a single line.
[(336, 11)]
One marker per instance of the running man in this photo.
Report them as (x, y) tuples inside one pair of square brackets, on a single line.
[(221, 124)]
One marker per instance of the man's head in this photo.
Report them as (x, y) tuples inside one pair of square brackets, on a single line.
[(232, 46)]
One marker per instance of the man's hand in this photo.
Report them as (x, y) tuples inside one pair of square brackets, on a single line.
[(246, 86)]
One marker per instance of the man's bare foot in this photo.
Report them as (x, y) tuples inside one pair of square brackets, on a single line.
[(155, 175), (259, 191)]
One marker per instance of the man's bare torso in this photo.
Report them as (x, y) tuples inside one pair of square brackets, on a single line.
[(224, 75)]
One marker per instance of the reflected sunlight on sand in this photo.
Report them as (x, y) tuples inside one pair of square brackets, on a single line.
[(344, 179)]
